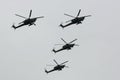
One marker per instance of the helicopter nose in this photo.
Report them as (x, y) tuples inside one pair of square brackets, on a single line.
[(35, 19), (83, 18), (63, 66), (73, 45)]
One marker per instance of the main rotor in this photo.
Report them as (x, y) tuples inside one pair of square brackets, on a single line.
[(58, 64), (28, 16), (76, 15), (68, 42)]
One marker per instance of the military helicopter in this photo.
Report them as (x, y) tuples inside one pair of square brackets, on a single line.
[(58, 67), (76, 20), (67, 46), (28, 21)]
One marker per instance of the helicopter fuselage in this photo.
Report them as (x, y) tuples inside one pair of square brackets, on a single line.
[(29, 21), (59, 67), (77, 20), (68, 46)]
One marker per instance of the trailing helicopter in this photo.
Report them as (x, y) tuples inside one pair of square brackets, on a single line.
[(76, 20), (58, 67), (67, 46), (28, 21)]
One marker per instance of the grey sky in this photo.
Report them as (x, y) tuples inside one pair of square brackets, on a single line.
[(25, 52)]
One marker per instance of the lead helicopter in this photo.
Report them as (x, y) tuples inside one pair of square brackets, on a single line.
[(67, 46), (58, 67), (76, 20), (28, 21)]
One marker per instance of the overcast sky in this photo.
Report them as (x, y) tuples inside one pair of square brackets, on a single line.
[(25, 52)]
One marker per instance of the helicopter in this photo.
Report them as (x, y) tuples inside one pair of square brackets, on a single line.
[(28, 21), (58, 67), (67, 46), (76, 20)]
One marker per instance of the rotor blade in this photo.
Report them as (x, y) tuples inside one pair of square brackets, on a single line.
[(20, 16), (21, 22), (63, 40), (73, 40), (67, 66), (68, 21), (69, 15), (76, 45), (40, 17), (79, 12), (87, 16), (30, 13), (59, 44), (64, 62), (50, 65), (55, 62)]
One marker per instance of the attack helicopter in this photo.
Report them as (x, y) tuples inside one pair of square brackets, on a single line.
[(67, 46), (58, 67), (76, 20), (28, 21)]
